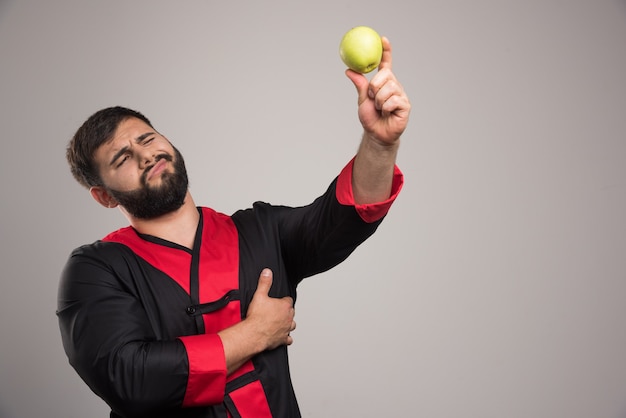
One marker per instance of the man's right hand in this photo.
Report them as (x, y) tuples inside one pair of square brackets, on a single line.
[(267, 325), (272, 318)]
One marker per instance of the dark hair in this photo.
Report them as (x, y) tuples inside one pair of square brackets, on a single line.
[(95, 131)]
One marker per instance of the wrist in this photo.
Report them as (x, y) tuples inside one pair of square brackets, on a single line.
[(375, 152), (255, 339), (376, 144), (240, 343)]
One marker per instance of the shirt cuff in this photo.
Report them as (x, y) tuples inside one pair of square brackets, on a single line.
[(207, 370), (370, 212)]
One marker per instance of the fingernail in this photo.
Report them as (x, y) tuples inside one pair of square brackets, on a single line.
[(266, 272), (370, 93)]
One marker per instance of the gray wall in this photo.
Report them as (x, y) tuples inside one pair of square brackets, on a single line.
[(495, 288)]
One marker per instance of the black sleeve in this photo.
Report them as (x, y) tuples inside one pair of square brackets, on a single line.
[(319, 236), (312, 238), (109, 340)]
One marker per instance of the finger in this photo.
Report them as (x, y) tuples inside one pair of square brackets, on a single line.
[(385, 61), (397, 106), (384, 92), (265, 281), (289, 301), (361, 84)]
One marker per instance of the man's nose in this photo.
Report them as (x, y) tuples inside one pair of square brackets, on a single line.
[(146, 158)]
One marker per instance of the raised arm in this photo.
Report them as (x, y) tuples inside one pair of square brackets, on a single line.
[(384, 112)]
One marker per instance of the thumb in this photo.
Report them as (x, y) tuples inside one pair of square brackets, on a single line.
[(360, 82), (265, 281)]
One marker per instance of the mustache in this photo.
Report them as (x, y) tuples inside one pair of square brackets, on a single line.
[(157, 158)]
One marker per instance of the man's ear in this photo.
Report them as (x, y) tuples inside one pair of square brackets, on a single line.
[(101, 196)]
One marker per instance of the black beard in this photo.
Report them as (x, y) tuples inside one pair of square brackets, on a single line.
[(148, 202)]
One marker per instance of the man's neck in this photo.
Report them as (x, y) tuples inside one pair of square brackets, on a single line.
[(178, 227)]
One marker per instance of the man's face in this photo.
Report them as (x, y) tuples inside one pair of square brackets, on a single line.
[(142, 171)]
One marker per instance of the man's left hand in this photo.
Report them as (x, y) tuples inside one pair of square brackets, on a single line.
[(383, 105)]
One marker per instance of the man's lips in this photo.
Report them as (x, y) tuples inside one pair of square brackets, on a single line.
[(157, 168)]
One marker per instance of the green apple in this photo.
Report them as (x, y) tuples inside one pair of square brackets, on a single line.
[(361, 49)]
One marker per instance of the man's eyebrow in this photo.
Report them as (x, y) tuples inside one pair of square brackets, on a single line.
[(123, 150), (143, 136)]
